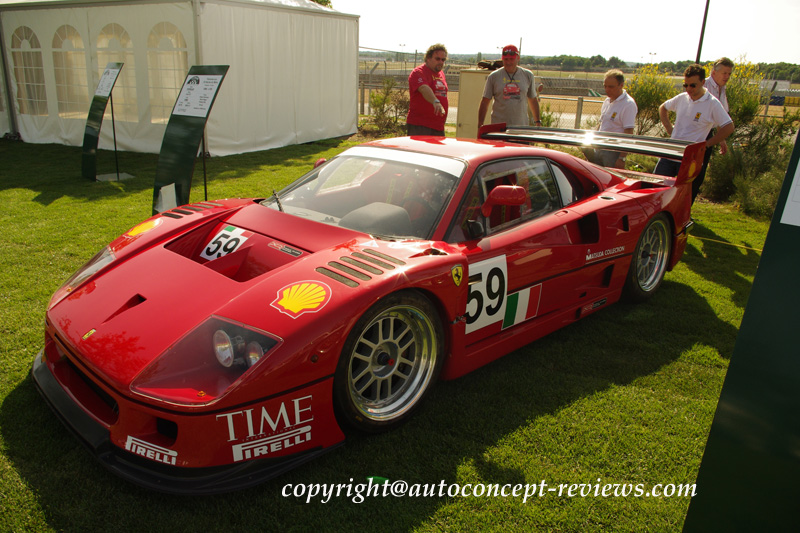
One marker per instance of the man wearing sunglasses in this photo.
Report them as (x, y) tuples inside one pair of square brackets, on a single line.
[(513, 92), (696, 113)]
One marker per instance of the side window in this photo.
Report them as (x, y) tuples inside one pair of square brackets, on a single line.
[(570, 187), (533, 175)]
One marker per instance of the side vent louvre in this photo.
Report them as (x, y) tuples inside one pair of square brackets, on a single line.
[(385, 257), (374, 260), (347, 270), (338, 277), (362, 265), (359, 265)]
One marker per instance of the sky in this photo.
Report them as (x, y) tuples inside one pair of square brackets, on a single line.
[(764, 31)]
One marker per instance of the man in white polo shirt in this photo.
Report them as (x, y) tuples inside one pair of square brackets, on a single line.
[(696, 113), (617, 115), (716, 84)]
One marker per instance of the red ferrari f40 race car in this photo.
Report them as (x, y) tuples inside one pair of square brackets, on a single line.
[(223, 342)]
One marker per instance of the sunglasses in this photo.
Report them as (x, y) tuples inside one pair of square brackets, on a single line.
[(506, 54), (692, 85)]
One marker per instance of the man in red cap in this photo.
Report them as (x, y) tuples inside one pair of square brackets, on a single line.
[(427, 86), (513, 91)]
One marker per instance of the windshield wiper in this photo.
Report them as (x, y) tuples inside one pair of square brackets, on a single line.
[(278, 200)]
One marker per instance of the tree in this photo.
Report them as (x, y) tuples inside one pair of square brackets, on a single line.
[(598, 61), (615, 62), (649, 88), (326, 3)]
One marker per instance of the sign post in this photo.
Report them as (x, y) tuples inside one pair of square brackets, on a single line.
[(91, 136), (183, 136), (748, 479)]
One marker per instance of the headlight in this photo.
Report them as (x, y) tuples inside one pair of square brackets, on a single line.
[(254, 352), (224, 348), (102, 259), (202, 366)]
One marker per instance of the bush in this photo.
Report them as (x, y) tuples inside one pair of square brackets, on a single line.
[(744, 93), (752, 171), (650, 87), (549, 118), (389, 110)]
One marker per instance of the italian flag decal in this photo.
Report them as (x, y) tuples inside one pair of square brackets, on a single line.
[(522, 305)]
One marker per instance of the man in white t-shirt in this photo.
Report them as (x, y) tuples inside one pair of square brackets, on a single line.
[(696, 113), (617, 115)]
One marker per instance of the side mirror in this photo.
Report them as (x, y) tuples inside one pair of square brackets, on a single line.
[(512, 195), (320, 161)]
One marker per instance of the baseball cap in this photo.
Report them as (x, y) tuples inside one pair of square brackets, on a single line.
[(510, 50)]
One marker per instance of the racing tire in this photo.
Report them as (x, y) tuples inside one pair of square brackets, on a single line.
[(650, 260), (390, 360)]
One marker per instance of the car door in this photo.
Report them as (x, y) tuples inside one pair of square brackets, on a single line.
[(531, 261)]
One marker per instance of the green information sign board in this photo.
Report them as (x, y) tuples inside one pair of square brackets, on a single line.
[(749, 478), (183, 135), (91, 135)]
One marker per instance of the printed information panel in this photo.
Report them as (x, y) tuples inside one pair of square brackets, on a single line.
[(94, 121), (183, 135)]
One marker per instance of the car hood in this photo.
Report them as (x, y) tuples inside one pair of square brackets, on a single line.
[(122, 319)]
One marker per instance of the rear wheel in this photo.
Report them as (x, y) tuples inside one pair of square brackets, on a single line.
[(650, 259), (390, 361)]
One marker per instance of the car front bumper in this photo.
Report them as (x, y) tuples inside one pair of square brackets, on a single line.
[(148, 473)]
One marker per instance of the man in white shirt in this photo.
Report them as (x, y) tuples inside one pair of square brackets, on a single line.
[(617, 115), (696, 113), (716, 84)]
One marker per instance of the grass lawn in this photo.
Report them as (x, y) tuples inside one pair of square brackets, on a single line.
[(625, 396)]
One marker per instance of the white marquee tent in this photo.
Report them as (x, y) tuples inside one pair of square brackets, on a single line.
[(293, 69)]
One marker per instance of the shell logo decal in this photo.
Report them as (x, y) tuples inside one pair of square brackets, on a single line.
[(302, 297)]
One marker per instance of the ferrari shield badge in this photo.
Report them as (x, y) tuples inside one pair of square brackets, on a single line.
[(458, 274)]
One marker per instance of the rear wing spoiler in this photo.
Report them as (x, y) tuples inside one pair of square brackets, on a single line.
[(690, 154)]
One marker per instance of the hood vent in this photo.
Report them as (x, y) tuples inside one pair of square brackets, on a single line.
[(361, 266), (180, 212)]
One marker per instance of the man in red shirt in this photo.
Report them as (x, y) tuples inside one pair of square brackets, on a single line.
[(428, 89)]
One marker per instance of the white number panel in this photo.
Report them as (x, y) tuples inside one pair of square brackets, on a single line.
[(487, 297), (490, 304), (227, 241)]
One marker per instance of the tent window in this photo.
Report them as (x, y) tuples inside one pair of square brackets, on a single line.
[(26, 56), (69, 64), (115, 45), (167, 65)]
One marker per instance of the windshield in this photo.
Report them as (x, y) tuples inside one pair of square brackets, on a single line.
[(386, 193)]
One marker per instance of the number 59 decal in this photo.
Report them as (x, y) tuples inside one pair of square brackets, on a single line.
[(226, 241), (487, 293), (489, 301)]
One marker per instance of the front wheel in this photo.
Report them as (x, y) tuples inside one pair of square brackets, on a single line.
[(390, 360), (650, 259)]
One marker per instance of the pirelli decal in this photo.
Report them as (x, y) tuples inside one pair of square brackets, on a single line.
[(151, 451)]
